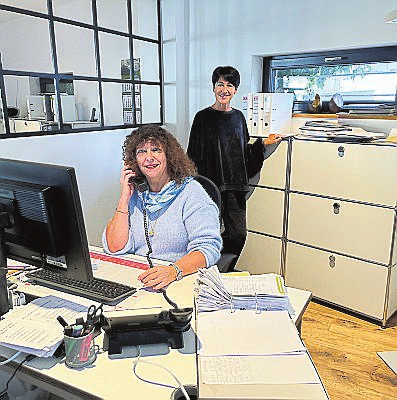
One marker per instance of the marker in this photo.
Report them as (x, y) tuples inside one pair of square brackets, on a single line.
[(62, 321), (77, 330), (68, 331)]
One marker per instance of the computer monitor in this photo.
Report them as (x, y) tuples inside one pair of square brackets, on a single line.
[(42, 219)]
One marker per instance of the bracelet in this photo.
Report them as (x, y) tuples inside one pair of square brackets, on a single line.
[(121, 212)]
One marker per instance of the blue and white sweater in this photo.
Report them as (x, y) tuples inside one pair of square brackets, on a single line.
[(189, 223)]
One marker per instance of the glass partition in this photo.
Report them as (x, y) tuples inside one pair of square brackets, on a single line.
[(112, 103), (148, 54), (37, 5), (150, 107), (68, 37), (113, 15), (145, 10), (75, 10), (76, 59), (25, 43), (112, 50)]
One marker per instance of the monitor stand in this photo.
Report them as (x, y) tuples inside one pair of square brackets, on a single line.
[(4, 306)]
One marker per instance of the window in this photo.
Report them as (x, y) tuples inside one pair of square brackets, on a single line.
[(365, 77), (68, 65)]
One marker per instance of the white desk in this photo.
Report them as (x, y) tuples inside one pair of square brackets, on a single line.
[(114, 379)]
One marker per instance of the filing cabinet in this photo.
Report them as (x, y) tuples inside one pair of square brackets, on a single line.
[(338, 223), (265, 215), (357, 285), (261, 254)]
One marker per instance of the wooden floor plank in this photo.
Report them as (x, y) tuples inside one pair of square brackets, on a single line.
[(344, 349)]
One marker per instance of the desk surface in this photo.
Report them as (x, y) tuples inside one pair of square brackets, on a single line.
[(114, 378)]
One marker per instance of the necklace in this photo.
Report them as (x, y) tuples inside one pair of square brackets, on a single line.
[(152, 225)]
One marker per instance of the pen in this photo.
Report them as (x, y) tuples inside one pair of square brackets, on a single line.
[(62, 321)]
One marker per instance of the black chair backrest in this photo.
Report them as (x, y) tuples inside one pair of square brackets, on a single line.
[(211, 189)]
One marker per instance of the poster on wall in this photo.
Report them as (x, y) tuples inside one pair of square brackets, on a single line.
[(127, 93)]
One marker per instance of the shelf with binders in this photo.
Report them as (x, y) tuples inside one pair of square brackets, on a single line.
[(131, 95), (130, 102)]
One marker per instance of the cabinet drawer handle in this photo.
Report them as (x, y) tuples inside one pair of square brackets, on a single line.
[(341, 151), (332, 261), (336, 207)]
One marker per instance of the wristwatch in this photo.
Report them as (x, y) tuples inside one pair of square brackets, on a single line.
[(179, 274)]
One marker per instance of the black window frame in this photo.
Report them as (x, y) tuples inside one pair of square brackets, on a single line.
[(57, 77), (336, 57)]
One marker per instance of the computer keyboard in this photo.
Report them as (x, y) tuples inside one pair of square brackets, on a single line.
[(96, 289)]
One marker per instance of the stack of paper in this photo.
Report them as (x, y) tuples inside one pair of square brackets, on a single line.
[(247, 348), (335, 130), (253, 292), (34, 329)]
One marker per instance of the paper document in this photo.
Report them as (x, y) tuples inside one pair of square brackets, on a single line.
[(34, 328), (254, 292), (280, 369), (247, 333)]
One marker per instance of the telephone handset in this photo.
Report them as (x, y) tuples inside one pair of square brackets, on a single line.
[(139, 183)]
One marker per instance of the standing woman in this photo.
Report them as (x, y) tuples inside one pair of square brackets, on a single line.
[(219, 145), (173, 216)]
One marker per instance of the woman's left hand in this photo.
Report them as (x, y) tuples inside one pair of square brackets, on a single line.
[(158, 277)]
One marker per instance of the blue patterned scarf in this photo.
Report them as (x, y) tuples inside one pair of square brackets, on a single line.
[(155, 201)]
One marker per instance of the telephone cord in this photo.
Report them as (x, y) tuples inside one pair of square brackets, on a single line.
[(150, 251)]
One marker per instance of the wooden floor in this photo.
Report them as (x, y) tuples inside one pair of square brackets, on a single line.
[(344, 349)]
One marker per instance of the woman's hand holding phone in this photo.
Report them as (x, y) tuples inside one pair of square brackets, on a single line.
[(127, 188)]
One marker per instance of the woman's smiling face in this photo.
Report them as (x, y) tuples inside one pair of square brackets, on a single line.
[(224, 91), (152, 160)]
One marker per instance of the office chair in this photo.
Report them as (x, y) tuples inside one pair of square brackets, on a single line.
[(213, 191)]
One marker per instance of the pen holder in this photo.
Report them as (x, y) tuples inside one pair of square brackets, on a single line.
[(80, 351)]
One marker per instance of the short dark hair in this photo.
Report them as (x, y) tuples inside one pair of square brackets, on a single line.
[(179, 165), (228, 73)]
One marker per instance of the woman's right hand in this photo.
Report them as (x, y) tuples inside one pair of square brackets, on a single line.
[(127, 188)]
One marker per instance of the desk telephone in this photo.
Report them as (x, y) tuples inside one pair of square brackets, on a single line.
[(163, 327)]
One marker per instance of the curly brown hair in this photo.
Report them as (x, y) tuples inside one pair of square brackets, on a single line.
[(179, 165)]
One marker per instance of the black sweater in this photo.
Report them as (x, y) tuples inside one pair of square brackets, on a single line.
[(218, 145)]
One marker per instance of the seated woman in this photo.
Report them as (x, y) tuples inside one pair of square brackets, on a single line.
[(172, 219)]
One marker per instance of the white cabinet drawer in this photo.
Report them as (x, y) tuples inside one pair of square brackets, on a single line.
[(274, 167), (364, 172), (261, 254), (265, 209), (358, 230), (353, 284), (26, 126)]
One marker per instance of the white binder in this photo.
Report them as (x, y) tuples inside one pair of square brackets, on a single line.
[(274, 113), (247, 110), (255, 114)]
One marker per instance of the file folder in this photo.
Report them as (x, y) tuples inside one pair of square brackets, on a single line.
[(247, 110), (274, 111)]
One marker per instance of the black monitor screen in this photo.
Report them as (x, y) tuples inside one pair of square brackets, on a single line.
[(45, 225)]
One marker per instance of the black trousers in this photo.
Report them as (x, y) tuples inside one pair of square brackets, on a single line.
[(234, 210)]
